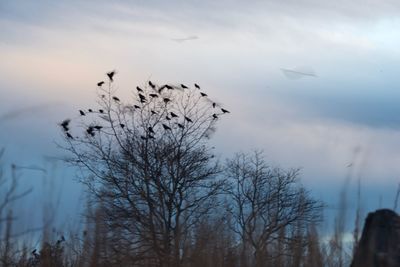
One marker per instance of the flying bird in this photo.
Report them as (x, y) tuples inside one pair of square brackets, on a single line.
[(197, 86), (224, 110), (188, 119), (166, 127), (116, 99), (139, 89), (203, 94), (173, 115), (82, 113), (111, 75), (100, 83), (181, 40)]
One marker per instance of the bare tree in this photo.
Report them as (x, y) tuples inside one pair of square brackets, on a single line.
[(150, 167), (269, 207)]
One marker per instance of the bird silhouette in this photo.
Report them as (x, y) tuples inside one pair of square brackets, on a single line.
[(214, 105), (101, 111), (111, 75), (188, 119), (65, 123), (168, 118), (153, 112), (136, 106), (98, 127), (139, 89), (90, 110), (153, 95), (100, 83), (224, 110), (215, 116), (184, 86), (152, 85), (116, 99), (103, 96), (173, 115), (151, 130), (166, 127), (151, 136), (141, 96), (143, 137), (166, 100), (142, 100), (181, 126), (122, 125), (203, 94), (82, 113), (197, 86), (90, 130)]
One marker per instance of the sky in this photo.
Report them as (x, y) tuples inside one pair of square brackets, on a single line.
[(341, 121)]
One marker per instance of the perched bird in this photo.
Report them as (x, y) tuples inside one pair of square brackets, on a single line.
[(90, 130), (142, 96), (142, 100), (166, 127), (111, 75), (166, 100), (188, 119), (90, 110), (215, 116), (181, 126), (169, 87), (100, 83), (116, 99), (136, 106), (153, 95), (143, 137), (197, 86), (139, 89), (168, 118), (184, 86), (101, 111), (98, 127), (65, 123), (103, 96), (173, 115), (152, 85), (122, 125), (224, 110), (151, 130), (69, 135), (153, 112), (214, 104), (203, 94), (151, 136), (82, 113)]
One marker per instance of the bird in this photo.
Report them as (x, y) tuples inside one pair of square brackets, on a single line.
[(188, 119), (197, 86), (143, 137), (82, 113), (111, 75), (153, 95), (166, 127), (103, 96), (69, 135), (98, 127), (166, 100), (214, 105), (151, 130), (122, 125), (100, 83), (152, 85), (141, 96), (173, 115), (153, 112), (143, 100), (168, 118), (224, 110), (151, 136), (215, 116), (184, 86), (139, 89), (203, 94), (90, 130), (101, 111), (90, 110), (116, 99), (180, 126), (136, 106), (65, 123), (169, 87)]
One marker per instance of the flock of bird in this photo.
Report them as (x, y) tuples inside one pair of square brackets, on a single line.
[(91, 130)]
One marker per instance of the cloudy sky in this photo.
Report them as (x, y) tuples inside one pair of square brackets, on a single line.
[(54, 52)]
